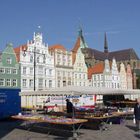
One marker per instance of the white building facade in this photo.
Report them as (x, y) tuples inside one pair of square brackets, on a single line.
[(63, 66), (78, 59), (104, 76), (37, 65)]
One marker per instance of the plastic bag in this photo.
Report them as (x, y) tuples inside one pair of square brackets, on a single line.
[(134, 121)]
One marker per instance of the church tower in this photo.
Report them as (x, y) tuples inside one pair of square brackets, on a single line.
[(105, 44)]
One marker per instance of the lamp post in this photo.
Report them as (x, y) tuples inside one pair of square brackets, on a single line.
[(24, 54), (34, 62), (34, 67)]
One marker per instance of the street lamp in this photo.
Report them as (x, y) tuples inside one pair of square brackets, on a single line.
[(24, 54), (34, 62)]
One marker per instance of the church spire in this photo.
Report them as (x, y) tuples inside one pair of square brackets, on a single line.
[(105, 44), (80, 32)]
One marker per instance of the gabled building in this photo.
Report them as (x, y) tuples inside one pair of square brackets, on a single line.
[(9, 69), (78, 60), (107, 75), (63, 65), (123, 77), (37, 65), (129, 77), (127, 56)]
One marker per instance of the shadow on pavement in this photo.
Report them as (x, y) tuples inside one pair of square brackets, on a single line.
[(7, 125), (131, 127), (62, 133), (137, 135)]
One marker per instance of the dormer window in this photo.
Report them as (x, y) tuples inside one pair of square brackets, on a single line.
[(9, 60)]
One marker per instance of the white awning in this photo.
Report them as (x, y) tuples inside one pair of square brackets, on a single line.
[(73, 90)]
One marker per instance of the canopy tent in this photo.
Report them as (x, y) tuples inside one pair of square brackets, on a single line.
[(73, 90)]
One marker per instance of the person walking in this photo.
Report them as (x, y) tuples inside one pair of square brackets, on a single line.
[(137, 113)]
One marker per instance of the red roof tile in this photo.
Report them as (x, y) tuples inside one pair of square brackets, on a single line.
[(17, 51), (59, 47), (75, 49), (96, 69)]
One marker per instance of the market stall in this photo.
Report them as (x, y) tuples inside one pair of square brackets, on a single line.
[(53, 120)]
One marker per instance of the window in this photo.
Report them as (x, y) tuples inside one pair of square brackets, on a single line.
[(1, 70), (40, 70), (45, 83), (8, 82), (69, 82), (101, 77), (58, 73), (79, 76), (50, 83), (31, 83), (37, 59), (24, 82), (31, 59), (44, 60), (14, 71), (9, 60), (83, 76), (40, 83), (31, 70), (58, 83), (75, 75), (24, 70), (14, 83), (2, 82), (64, 74), (50, 71), (8, 71), (84, 84)]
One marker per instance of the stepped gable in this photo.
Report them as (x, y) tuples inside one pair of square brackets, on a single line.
[(96, 69)]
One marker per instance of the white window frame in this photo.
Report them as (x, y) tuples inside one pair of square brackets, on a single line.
[(2, 70), (14, 71), (7, 70), (14, 82), (31, 81), (24, 82), (8, 82), (2, 81), (9, 60), (24, 70)]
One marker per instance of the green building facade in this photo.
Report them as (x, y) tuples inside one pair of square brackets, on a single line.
[(9, 69)]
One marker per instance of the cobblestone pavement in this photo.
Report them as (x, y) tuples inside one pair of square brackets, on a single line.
[(12, 130)]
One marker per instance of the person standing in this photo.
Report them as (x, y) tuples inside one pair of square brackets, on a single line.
[(137, 113), (69, 107), (56, 108)]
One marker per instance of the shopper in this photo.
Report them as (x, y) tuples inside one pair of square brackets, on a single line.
[(137, 113), (56, 108), (70, 108)]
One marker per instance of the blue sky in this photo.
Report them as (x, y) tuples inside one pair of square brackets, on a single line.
[(59, 21)]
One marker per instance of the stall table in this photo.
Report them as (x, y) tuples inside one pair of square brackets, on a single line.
[(55, 121)]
